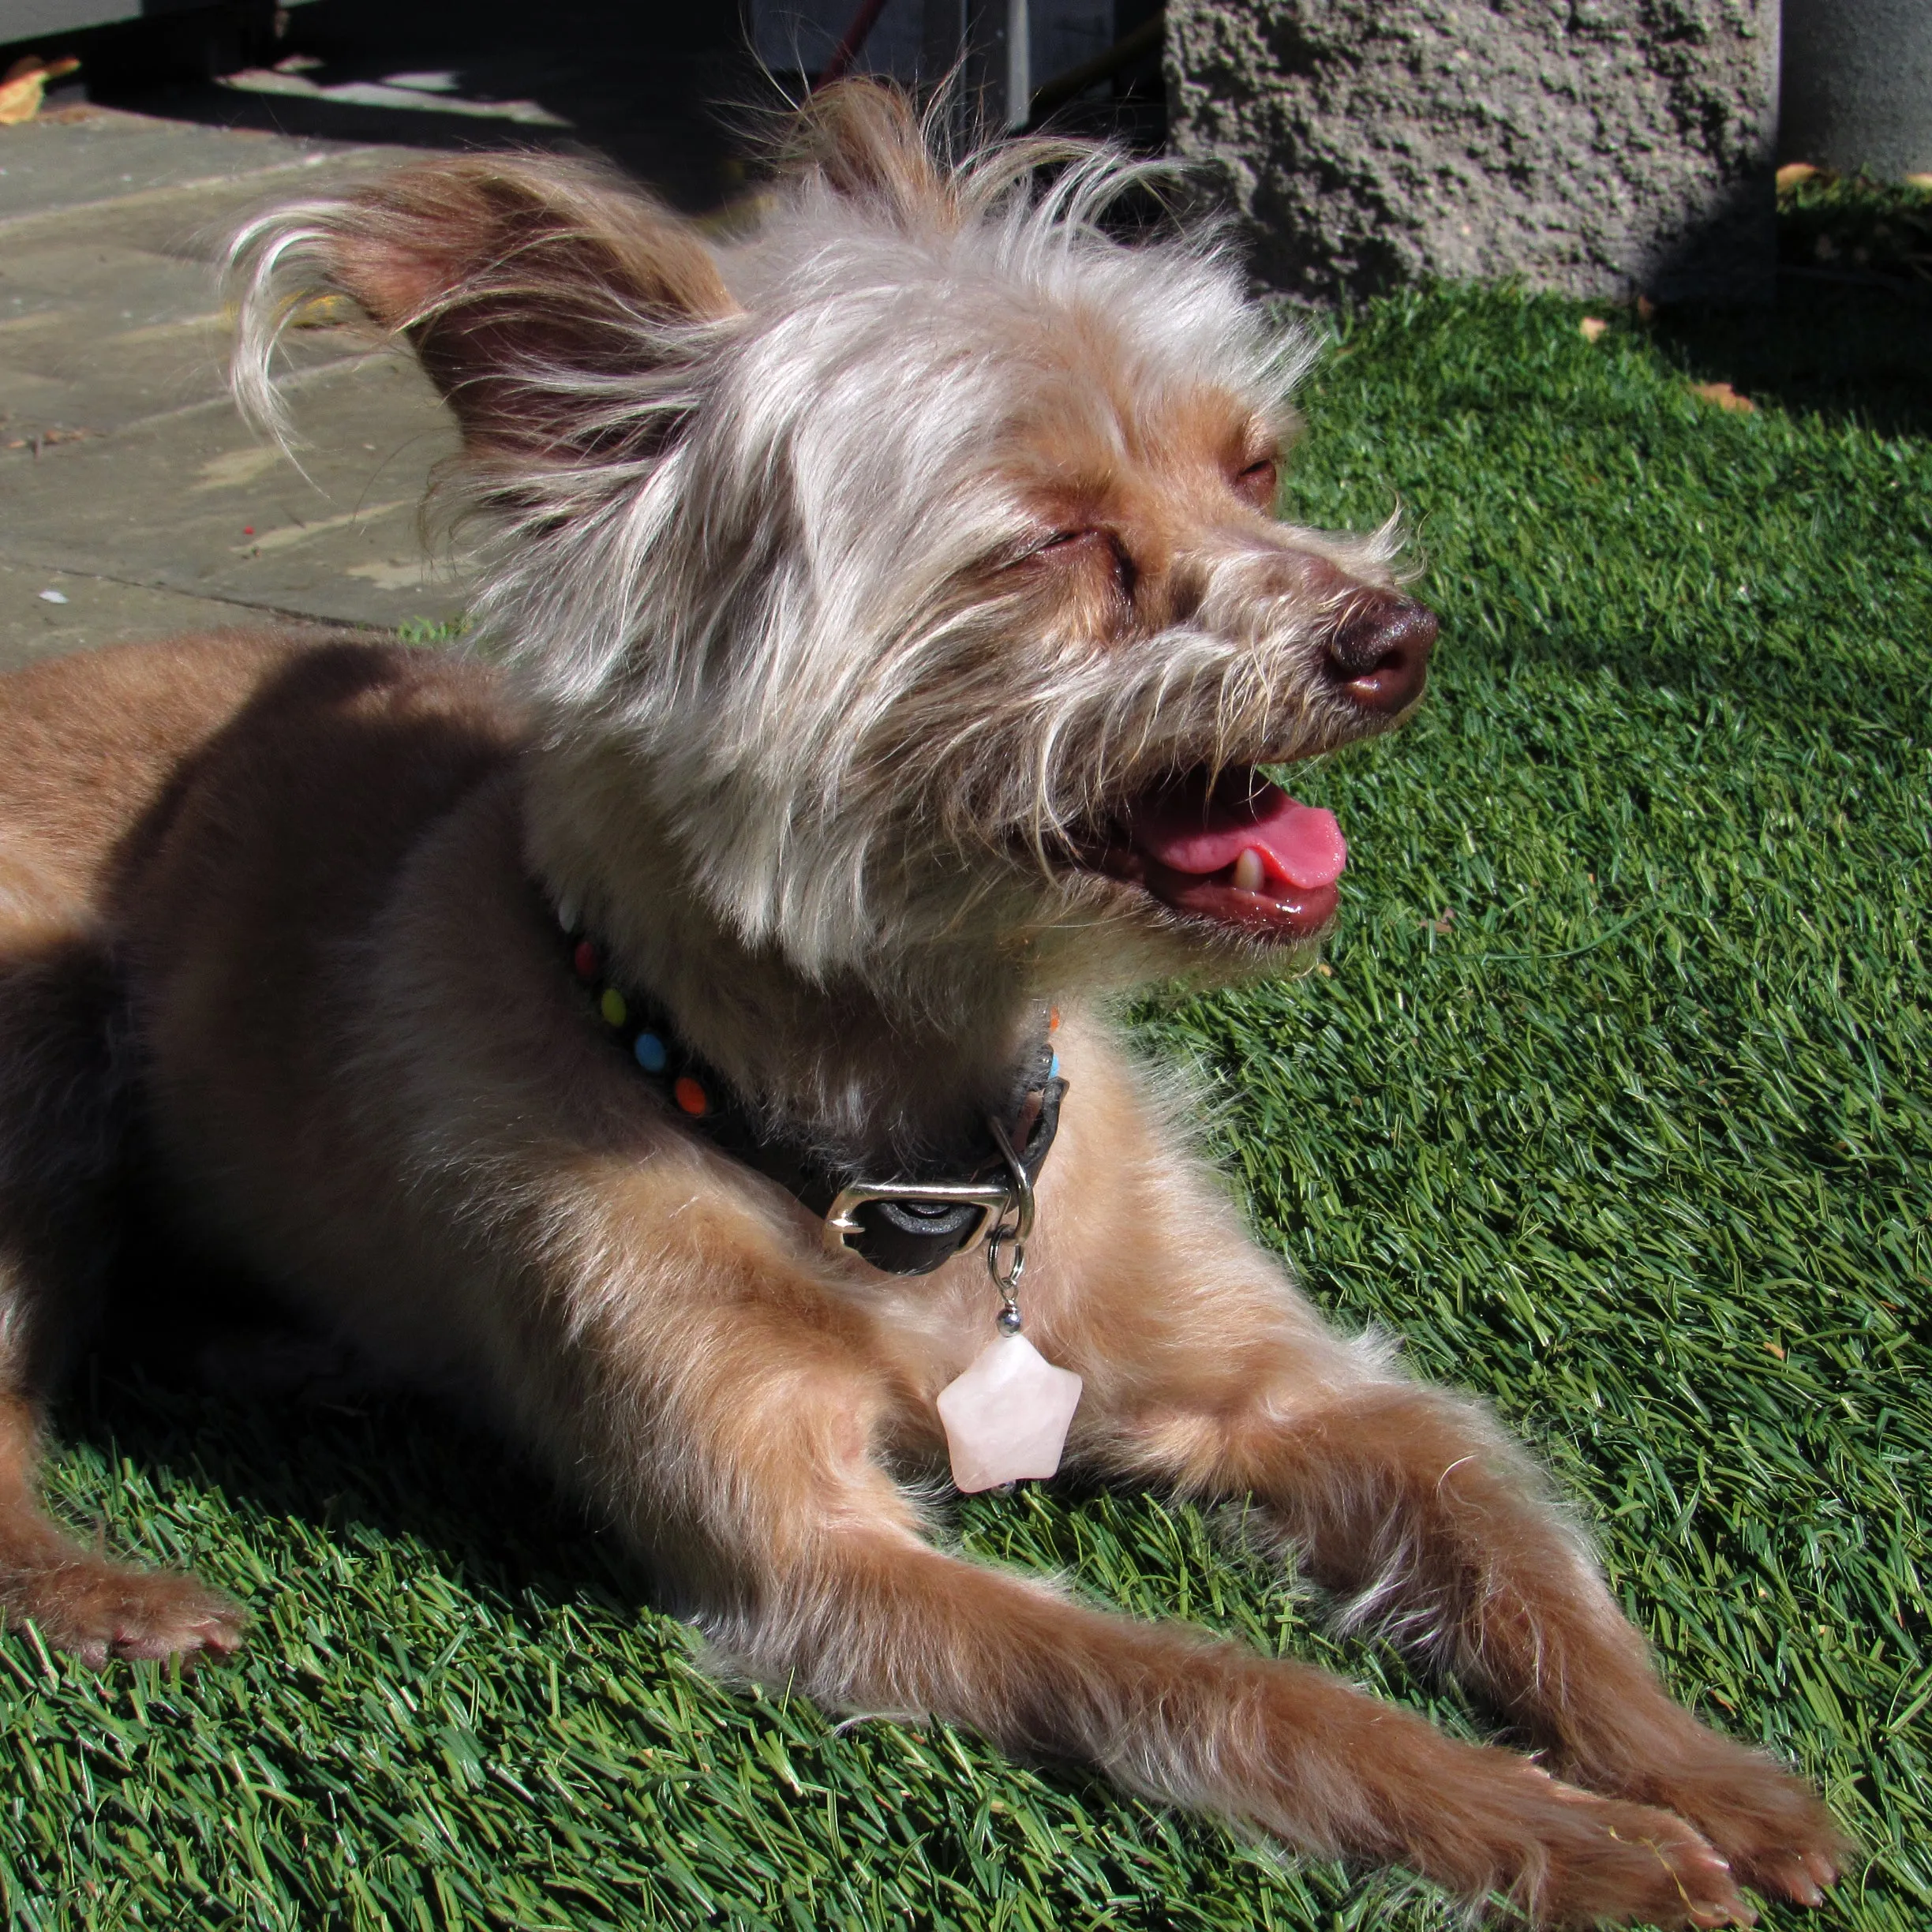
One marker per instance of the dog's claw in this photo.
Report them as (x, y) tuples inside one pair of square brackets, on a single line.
[(1610, 1862), (1800, 1879)]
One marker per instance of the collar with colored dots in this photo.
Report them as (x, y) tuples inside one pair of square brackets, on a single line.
[(907, 1224)]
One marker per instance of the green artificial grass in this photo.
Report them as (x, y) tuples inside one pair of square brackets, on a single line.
[(1612, 1105)]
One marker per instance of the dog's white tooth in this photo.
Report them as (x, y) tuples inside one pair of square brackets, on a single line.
[(1249, 874)]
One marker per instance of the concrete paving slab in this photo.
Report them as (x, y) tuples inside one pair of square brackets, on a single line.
[(99, 336), (193, 221), (58, 377), (128, 483), (189, 502), (120, 309), (90, 275), (30, 404), (94, 612), (88, 156)]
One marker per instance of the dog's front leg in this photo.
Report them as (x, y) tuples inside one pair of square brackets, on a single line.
[(748, 1462), (1414, 1513)]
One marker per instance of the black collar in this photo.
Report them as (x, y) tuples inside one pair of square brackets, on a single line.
[(907, 1224)]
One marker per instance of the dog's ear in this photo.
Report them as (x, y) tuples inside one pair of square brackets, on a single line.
[(540, 296), (863, 139)]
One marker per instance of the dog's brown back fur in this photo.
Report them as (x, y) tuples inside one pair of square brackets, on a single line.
[(89, 744)]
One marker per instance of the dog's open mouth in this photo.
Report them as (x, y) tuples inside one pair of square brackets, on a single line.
[(1238, 853)]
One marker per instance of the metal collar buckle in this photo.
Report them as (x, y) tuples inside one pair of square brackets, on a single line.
[(1008, 1206)]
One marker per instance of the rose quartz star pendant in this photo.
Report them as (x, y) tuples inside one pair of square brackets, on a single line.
[(1007, 1416)]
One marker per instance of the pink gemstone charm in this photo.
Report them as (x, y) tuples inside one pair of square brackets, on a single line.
[(1007, 1416)]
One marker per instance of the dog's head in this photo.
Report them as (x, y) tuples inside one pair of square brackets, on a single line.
[(908, 563)]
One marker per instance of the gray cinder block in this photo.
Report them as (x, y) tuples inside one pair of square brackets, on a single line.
[(1599, 148)]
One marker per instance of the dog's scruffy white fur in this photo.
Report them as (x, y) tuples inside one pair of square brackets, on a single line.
[(873, 595)]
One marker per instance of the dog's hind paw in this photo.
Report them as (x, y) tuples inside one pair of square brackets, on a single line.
[(96, 1610)]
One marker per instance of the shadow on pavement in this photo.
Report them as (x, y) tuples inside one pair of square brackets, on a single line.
[(655, 87)]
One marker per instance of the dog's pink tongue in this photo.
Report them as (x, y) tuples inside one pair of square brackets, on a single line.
[(1300, 843)]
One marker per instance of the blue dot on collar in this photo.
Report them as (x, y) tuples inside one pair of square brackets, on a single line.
[(651, 1053)]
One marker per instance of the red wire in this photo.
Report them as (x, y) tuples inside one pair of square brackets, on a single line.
[(850, 42)]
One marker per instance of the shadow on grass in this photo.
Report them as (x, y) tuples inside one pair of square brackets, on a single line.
[(195, 1377), (1849, 338), (1844, 352), (1817, 526)]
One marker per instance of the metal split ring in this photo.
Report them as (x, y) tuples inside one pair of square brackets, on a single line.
[(1008, 1238)]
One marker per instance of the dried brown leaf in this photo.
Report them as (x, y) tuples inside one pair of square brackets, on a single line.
[(23, 84), (1725, 397)]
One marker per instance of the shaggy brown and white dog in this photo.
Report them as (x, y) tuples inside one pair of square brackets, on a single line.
[(893, 621)]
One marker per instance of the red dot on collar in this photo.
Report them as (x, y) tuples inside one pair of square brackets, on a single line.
[(691, 1097), (585, 959)]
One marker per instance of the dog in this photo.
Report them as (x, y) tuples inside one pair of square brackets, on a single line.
[(680, 1031)]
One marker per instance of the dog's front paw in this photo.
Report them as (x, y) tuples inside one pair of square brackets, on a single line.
[(1601, 1861), (1778, 1837), (96, 1610)]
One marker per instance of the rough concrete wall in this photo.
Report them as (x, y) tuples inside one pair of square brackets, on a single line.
[(1602, 147)]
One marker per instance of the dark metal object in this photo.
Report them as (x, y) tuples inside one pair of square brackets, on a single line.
[(1857, 85), (983, 42)]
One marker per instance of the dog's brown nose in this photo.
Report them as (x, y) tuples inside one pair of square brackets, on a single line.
[(1379, 654)]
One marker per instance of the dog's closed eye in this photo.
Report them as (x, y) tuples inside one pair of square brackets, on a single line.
[(1060, 539), (1259, 481), (1088, 547)]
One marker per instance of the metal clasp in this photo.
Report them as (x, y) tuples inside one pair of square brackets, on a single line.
[(1008, 1206), (841, 1220)]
